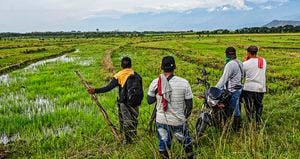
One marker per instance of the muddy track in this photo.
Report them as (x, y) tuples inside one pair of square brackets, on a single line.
[(3, 153), (107, 61), (108, 64), (25, 63)]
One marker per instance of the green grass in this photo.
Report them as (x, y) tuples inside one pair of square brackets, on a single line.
[(52, 115)]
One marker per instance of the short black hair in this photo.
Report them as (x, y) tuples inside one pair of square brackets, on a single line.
[(230, 52), (126, 62), (168, 64), (252, 49)]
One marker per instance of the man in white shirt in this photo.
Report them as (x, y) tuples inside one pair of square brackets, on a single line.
[(174, 102), (255, 83)]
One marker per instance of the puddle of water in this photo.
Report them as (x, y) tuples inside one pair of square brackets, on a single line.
[(18, 101), (62, 58), (82, 105), (86, 62), (5, 139), (65, 129), (41, 101), (15, 137), (5, 79), (39, 106)]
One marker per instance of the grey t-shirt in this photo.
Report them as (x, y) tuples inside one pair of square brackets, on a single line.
[(233, 73), (181, 90)]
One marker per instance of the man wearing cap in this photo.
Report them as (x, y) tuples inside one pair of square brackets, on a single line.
[(255, 83), (231, 80), (128, 115), (173, 96)]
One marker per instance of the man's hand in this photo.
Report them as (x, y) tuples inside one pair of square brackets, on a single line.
[(91, 91)]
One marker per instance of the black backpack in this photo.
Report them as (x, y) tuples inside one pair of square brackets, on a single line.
[(133, 90)]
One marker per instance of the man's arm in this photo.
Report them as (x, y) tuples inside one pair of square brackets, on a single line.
[(188, 99), (113, 83), (141, 80), (225, 77), (151, 97), (188, 107)]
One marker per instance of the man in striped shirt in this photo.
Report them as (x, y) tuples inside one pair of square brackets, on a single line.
[(173, 96)]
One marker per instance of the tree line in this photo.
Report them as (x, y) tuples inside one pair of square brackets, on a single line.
[(92, 34), (255, 30)]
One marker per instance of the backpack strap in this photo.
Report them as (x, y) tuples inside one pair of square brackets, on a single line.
[(242, 74)]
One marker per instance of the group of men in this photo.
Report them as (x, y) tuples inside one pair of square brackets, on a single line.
[(174, 98)]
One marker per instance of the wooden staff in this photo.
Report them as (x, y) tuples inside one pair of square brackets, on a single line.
[(117, 135), (152, 119)]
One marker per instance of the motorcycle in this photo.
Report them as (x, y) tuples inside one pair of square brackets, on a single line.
[(213, 111)]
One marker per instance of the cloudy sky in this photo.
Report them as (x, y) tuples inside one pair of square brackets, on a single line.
[(140, 15)]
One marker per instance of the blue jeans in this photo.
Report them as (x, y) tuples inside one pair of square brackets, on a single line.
[(165, 134), (234, 104)]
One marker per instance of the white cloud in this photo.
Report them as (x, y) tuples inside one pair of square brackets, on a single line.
[(49, 13), (268, 7), (225, 8), (82, 9), (268, 4), (266, 1)]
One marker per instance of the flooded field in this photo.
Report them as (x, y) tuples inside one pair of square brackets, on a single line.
[(45, 112)]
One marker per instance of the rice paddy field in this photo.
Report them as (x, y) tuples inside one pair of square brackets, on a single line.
[(45, 112)]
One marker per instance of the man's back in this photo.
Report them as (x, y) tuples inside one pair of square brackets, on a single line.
[(232, 74), (181, 91), (255, 76)]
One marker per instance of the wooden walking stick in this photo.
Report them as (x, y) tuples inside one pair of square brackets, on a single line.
[(152, 119), (117, 135)]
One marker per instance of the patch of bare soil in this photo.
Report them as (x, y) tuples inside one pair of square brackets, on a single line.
[(3, 154)]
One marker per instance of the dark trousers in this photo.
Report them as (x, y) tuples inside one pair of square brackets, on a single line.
[(253, 105), (128, 118)]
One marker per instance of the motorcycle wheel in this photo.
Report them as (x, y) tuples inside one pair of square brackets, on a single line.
[(219, 119), (201, 124)]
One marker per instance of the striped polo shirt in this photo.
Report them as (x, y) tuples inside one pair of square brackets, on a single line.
[(181, 90)]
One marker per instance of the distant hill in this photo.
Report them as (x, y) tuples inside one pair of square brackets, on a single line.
[(277, 23)]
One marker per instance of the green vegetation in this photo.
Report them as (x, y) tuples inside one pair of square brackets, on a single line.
[(45, 112), (93, 34)]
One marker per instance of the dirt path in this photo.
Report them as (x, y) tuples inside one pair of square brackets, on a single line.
[(3, 154), (107, 61), (108, 64)]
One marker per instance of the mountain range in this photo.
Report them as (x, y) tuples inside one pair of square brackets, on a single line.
[(277, 23)]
